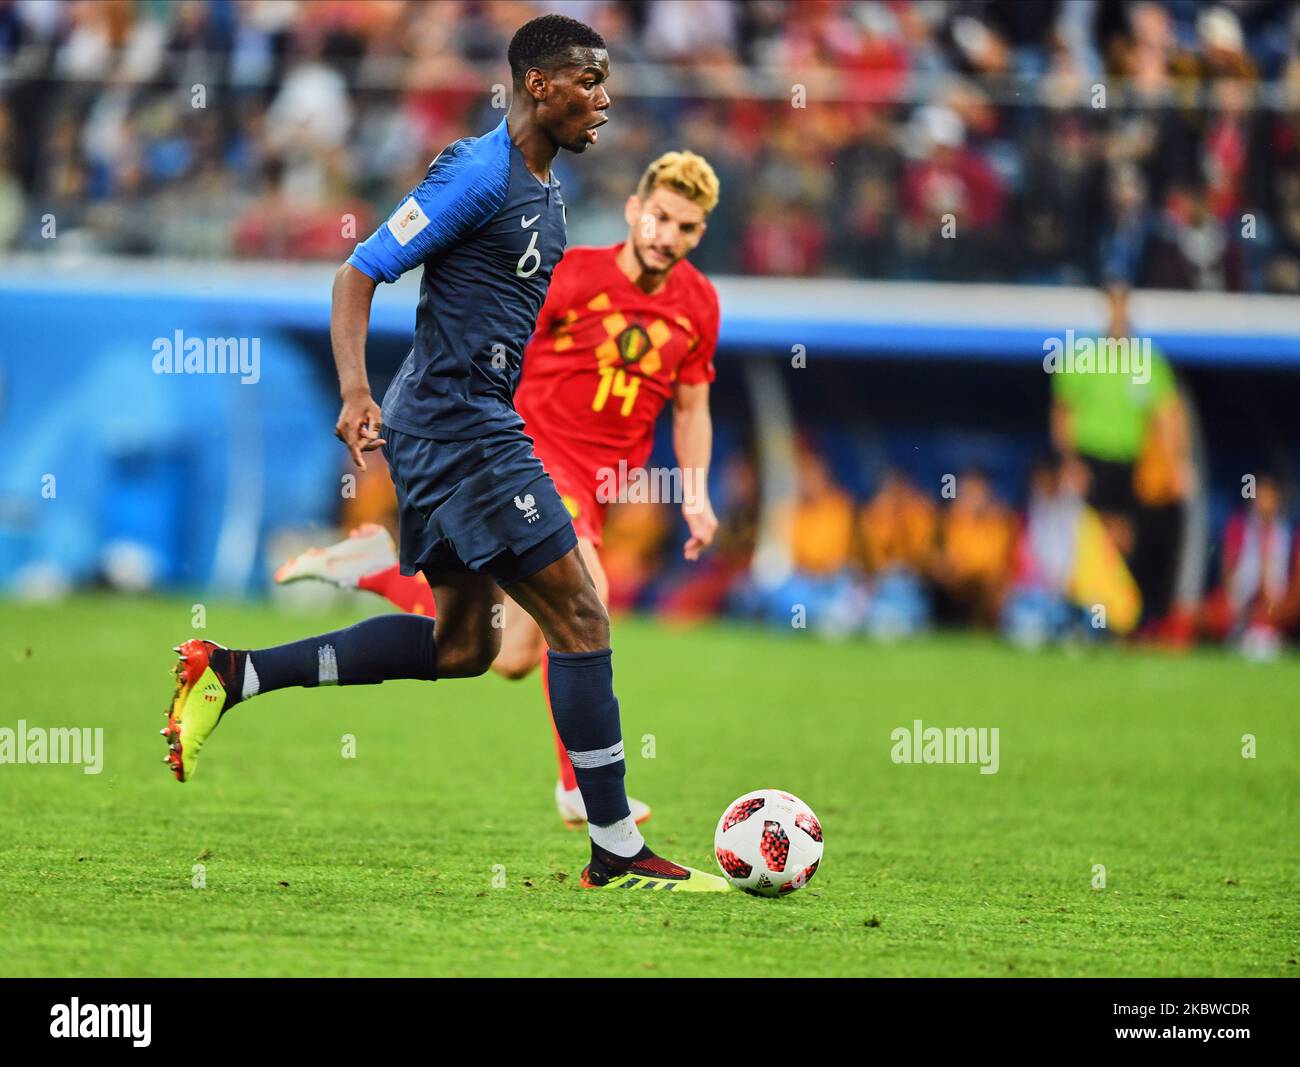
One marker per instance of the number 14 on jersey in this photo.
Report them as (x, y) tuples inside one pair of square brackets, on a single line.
[(614, 381)]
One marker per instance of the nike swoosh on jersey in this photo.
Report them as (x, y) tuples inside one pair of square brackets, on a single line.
[(525, 222)]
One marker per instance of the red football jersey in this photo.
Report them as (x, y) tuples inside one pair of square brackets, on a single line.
[(605, 356)]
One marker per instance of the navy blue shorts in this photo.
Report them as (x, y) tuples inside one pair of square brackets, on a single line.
[(485, 505)]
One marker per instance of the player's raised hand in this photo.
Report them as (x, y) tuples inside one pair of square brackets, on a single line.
[(703, 524), (358, 427)]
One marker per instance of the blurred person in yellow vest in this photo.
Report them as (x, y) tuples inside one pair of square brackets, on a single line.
[(896, 534), (972, 565), (820, 520), (897, 528), (824, 590)]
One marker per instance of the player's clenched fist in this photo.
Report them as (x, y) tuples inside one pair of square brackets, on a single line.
[(359, 425), (703, 524)]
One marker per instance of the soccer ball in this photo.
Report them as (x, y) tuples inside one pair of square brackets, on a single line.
[(768, 843)]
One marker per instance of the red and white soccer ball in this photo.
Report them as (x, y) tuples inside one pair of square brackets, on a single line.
[(768, 842)]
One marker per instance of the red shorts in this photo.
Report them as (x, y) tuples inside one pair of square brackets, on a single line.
[(576, 483)]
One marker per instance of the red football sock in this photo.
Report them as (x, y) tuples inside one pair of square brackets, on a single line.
[(410, 592), (567, 776)]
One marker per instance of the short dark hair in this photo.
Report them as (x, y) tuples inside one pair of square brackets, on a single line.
[(543, 42)]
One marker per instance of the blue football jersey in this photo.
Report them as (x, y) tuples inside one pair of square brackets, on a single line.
[(489, 234)]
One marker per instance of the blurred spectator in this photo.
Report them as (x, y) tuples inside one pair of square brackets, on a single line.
[(1062, 200), (13, 201), (1066, 565), (951, 198), (972, 565), (1258, 599), (823, 590), (820, 520), (350, 99), (784, 237), (1273, 189), (897, 535), (1125, 244), (1221, 51), (897, 528), (1191, 248), (1047, 549), (278, 225), (701, 31)]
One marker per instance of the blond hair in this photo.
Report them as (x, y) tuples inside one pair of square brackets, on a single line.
[(684, 173)]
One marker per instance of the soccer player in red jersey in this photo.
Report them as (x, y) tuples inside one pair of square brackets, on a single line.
[(623, 330)]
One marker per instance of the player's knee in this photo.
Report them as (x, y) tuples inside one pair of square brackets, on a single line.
[(465, 663), (466, 659)]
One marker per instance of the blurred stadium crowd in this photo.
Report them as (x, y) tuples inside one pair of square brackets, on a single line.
[(1063, 567), (1072, 142)]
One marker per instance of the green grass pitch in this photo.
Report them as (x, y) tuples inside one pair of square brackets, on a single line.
[(384, 864)]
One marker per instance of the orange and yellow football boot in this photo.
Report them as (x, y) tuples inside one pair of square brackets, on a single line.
[(206, 675)]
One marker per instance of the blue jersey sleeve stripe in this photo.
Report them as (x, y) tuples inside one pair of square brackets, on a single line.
[(462, 190)]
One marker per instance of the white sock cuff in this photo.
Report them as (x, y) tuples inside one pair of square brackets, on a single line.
[(621, 838)]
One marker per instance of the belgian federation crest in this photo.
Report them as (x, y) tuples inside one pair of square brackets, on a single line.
[(633, 343)]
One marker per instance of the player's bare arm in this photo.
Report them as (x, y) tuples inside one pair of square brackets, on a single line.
[(693, 440), (360, 418)]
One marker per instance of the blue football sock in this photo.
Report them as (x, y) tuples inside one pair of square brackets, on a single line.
[(373, 651), (586, 717)]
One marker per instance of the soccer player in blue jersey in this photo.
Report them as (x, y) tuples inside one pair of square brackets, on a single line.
[(478, 512)]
